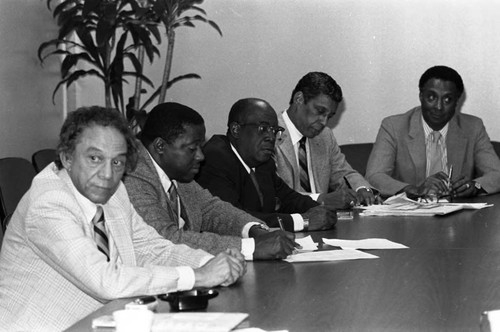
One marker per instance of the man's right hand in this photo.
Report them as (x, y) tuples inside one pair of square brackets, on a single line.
[(321, 217), (341, 198), (434, 184), (224, 269), (274, 245)]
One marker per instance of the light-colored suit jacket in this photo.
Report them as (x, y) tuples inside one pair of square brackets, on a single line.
[(51, 272), (398, 157), (213, 225), (328, 163)]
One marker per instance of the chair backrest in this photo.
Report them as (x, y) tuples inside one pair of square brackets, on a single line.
[(16, 175), (496, 146), (357, 155), (42, 158)]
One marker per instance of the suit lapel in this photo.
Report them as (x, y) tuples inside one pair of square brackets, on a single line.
[(319, 165), (285, 145), (456, 142), (416, 146), (120, 233)]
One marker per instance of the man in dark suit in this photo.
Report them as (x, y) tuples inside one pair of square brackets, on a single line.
[(414, 151), (239, 168), (163, 192)]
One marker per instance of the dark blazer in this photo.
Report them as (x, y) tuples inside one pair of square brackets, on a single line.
[(213, 225), (223, 174), (398, 156)]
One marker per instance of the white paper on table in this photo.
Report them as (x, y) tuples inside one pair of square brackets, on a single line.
[(197, 321), (373, 243), (307, 244), (329, 255), (470, 206)]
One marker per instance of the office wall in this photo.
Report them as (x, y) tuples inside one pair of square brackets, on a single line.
[(375, 49), (29, 121)]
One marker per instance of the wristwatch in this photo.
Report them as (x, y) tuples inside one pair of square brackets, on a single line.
[(477, 185)]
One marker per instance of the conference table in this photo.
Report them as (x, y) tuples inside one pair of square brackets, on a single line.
[(447, 277)]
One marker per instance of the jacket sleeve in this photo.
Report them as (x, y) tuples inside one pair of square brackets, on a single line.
[(146, 198), (382, 161)]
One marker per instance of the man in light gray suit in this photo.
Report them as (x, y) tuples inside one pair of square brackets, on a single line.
[(162, 190), (402, 157), (328, 176)]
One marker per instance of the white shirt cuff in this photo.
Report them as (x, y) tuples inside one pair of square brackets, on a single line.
[(246, 229), (248, 248), (186, 278), (298, 222), (363, 187), (186, 275)]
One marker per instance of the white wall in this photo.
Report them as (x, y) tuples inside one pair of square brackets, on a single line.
[(375, 49), (28, 119)]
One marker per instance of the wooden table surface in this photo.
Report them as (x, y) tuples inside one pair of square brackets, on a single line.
[(450, 274)]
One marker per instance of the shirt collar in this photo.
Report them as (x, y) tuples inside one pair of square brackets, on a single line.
[(295, 134), (88, 207), (428, 130), (241, 159), (164, 179)]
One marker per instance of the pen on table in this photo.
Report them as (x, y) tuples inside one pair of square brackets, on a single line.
[(450, 173), (353, 203), (297, 245), (281, 224)]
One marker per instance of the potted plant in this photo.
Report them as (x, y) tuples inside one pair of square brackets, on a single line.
[(95, 33)]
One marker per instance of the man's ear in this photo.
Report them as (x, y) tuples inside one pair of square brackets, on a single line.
[(421, 96), (66, 160), (234, 129), (159, 145), (298, 98)]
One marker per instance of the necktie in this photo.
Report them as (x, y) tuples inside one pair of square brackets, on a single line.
[(435, 153), (172, 195), (100, 236), (303, 170), (175, 203), (256, 184)]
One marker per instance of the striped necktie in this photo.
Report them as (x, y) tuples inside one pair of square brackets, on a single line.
[(100, 236), (303, 170), (435, 153)]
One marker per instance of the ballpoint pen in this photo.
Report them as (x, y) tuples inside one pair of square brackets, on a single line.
[(281, 224), (450, 173)]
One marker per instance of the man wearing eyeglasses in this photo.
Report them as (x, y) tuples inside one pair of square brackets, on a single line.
[(239, 168), (308, 156)]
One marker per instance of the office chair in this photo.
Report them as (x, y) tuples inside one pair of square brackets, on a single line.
[(16, 175), (42, 158), (357, 155), (496, 146)]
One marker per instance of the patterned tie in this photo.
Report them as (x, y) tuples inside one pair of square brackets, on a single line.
[(435, 153), (304, 174), (175, 202), (256, 184), (100, 236)]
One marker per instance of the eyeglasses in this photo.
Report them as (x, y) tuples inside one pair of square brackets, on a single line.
[(264, 128)]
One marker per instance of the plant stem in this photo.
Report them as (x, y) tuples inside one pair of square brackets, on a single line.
[(138, 81), (168, 66)]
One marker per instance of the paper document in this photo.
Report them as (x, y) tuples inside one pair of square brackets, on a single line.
[(373, 243), (307, 244), (470, 206), (329, 255), (408, 210), (401, 205), (197, 321)]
